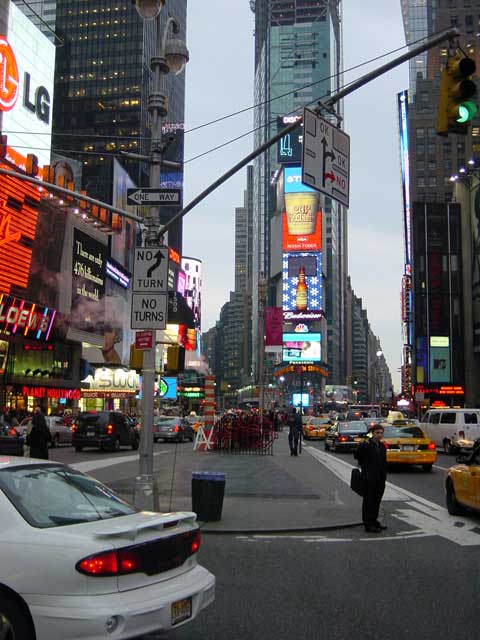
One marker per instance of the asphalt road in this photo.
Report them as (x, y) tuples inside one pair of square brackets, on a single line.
[(346, 585)]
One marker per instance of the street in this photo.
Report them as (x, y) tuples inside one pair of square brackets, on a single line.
[(417, 578)]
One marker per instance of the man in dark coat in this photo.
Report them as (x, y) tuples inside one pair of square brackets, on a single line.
[(372, 457), (295, 430), (39, 437)]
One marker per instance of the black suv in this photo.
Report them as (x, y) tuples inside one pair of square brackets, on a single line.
[(103, 429)]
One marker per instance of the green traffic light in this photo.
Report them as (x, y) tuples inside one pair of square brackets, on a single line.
[(467, 111)]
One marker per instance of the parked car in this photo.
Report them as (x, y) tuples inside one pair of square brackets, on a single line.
[(70, 546), (11, 442), (408, 444), (315, 427), (104, 430), (452, 429), (173, 428), (60, 430), (345, 436), (462, 485)]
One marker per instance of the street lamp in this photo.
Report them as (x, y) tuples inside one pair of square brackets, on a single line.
[(170, 56)]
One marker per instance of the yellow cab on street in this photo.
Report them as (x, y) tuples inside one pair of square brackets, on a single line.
[(314, 427), (462, 484), (407, 444)]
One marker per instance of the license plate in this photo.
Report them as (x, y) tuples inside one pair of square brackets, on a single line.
[(90, 434), (408, 447), (181, 610)]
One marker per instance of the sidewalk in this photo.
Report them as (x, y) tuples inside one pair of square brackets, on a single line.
[(276, 493)]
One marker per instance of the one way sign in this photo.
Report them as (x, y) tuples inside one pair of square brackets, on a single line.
[(153, 196)]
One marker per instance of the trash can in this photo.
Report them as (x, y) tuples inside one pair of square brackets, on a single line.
[(208, 488)]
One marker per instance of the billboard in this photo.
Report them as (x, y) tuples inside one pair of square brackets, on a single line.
[(302, 285), (300, 399), (302, 347), (289, 148), (167, 388), (27, 64), (301, 217), (273, 326), (402, 101), (193, 289)]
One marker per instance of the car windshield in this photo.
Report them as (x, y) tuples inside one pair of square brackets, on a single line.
[(402, 432), (93, 419), (54, 496), (169, 420), (356, 426)]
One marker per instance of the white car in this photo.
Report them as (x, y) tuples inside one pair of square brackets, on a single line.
[(79, 562)]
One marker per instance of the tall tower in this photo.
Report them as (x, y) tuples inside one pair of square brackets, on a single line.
[(298, 60), (102, 80)]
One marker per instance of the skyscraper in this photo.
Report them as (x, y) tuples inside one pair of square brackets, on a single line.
[(298, 60), (102, 81)]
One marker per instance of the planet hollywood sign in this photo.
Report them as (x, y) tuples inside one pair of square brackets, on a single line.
[(51, 392)]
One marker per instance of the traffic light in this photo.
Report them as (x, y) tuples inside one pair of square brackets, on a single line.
[(32, 165), (136, 358), (456, 108), (175, 358)]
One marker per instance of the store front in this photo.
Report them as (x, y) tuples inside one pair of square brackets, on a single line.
[(110, 388)]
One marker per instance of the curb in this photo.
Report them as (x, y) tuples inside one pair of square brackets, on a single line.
[(327, 527)]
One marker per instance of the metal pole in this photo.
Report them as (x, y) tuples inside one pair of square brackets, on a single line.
[(146, 488), (448, 34)]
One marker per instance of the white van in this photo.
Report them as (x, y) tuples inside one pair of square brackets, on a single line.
[(452, 429)]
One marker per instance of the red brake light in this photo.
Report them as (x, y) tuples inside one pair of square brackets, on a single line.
[(109, 429), (195, 545), (73, 426), (175, 428), (102, 564), (343, 438), (431, 446), (12, 432), (129, 561)]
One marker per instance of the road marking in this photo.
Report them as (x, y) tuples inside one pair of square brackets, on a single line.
[(92, 465), (428, 518)]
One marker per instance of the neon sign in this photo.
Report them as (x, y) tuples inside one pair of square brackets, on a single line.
[(22, 318), (50, 392), (9, 78)]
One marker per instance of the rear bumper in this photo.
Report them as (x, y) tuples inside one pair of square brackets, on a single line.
[(99, 441), (138, 611), (411, 457)]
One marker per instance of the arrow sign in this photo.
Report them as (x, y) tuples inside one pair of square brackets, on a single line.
[(154, 196), (150, 270)]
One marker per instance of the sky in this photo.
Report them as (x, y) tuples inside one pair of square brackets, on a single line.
[(219, 81)]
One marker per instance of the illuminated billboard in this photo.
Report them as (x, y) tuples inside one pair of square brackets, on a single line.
[(302, 285), (27, 64), (300, 399), (302, 347), (301, 218), (193, 289), (289, 148), (402, 99)]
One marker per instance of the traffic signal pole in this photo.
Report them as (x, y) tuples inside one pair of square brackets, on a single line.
[(442, 36)]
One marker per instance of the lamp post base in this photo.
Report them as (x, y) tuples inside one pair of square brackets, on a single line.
[(145, 496)]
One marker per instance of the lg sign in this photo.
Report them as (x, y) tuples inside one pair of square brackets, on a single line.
[(39, 103)]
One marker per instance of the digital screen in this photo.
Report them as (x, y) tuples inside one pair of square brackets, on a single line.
[(293, 181), (302, 297), (300, 399), (302, 347), (167, 388), (289, 148), (309, 263)]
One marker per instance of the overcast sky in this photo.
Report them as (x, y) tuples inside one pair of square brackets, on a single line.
[(219, 81)]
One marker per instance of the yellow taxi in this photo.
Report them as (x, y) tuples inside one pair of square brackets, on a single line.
[(462, 484), (407, 444), (314, 427)]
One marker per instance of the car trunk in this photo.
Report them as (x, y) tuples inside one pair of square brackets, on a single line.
[(91, 426)]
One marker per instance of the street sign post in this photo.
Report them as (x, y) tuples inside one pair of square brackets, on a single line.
[(154, 196), (326, 157)]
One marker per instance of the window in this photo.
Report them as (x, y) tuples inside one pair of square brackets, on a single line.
[(432, 132), (448, 418), (432, 149), (420, 149), (434, 418), (432, 165), (470, 418), (421, 182), (432, 181), (420, 133)]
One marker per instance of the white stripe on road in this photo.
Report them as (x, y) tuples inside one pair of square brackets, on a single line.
[(424, 515), (91, 465)]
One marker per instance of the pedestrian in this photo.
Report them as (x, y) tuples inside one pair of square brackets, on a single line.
[(295, 430), (372, 457), (39, 437)]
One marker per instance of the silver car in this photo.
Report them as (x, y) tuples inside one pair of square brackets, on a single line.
[(61, 432)]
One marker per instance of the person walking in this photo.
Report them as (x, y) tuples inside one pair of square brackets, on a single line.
[(372, 457), (39, 437), (295, 430)]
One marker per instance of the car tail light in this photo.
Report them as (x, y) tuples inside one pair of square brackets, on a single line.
[(73, 427), (109, 429), (176, 428), (129, 561), (12, 432), (102, 564), (343, 439), (431, 446), (195, 544)]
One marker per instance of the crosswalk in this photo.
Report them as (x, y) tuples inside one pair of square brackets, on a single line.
[(425, 517)]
